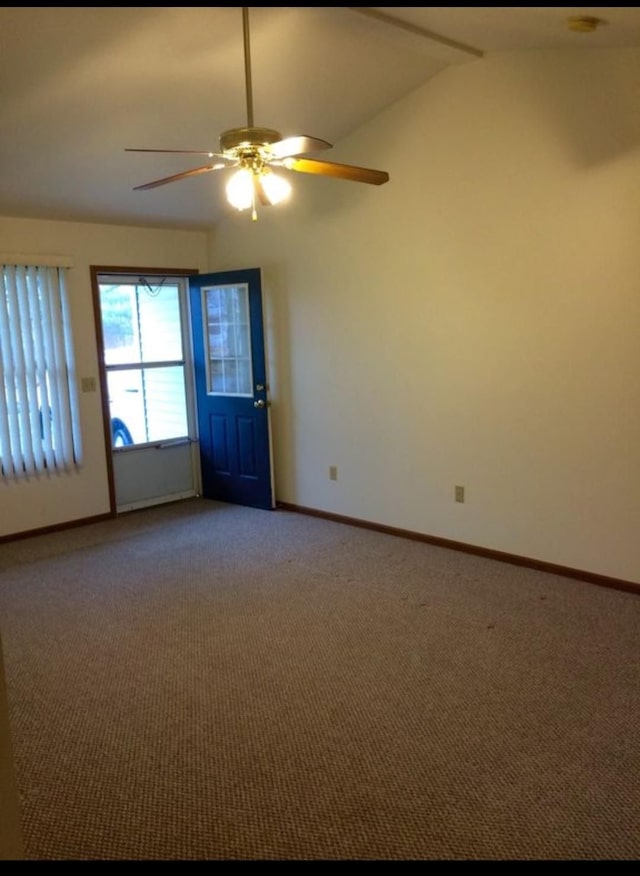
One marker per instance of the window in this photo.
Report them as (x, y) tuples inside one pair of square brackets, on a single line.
[(228, 340), (39, 418), (144, 359)]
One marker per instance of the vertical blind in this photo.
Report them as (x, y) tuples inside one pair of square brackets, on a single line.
[(39, 418)]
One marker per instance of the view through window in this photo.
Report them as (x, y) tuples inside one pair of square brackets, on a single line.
[(144, 359)]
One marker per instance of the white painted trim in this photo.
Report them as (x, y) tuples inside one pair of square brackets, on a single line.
[(161, 500)]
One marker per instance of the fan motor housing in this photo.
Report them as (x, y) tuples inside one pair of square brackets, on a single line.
[(247, 138)]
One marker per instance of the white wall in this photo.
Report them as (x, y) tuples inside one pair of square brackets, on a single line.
[(476, 320), (43, 501)]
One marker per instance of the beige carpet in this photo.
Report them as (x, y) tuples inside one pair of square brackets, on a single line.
[(10, 830), (204, 681)]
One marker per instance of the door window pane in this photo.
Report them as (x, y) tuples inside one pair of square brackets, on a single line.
[(228, 340)]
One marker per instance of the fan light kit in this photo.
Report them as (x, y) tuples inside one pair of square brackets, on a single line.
[(252, 152)]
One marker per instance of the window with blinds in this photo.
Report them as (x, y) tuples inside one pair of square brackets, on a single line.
[(39, 415)]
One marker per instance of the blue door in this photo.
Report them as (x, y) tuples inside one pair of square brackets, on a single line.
[(231, 387)]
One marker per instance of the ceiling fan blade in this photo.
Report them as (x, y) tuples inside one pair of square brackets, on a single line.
[(180, 151), (207, 168), (297, 146), (341, 171)]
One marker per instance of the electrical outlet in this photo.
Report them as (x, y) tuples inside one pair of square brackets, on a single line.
[(333, 472), (459, 493)]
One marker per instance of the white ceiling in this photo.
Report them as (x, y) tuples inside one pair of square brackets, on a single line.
[(80, 84)]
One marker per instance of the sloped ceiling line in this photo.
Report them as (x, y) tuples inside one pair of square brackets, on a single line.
[(415, 29)]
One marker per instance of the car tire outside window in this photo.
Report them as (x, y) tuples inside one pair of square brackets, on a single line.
[(120, 435)]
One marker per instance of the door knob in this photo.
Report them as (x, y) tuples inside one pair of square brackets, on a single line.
[(260, 403)]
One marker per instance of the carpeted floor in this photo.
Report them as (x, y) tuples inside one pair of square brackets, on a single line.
[(204, 681)]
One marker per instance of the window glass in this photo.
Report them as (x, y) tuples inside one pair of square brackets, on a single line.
[(228, 340), (144, 358)]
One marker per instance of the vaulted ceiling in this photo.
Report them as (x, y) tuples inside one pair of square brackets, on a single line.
[(81, 84)]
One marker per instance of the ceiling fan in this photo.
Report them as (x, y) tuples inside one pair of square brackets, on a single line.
[(253, 151)]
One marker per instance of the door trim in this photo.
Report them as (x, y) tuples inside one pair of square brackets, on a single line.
[(96, 271)]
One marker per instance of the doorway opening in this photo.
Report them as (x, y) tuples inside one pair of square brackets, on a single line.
[(146, 371)]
